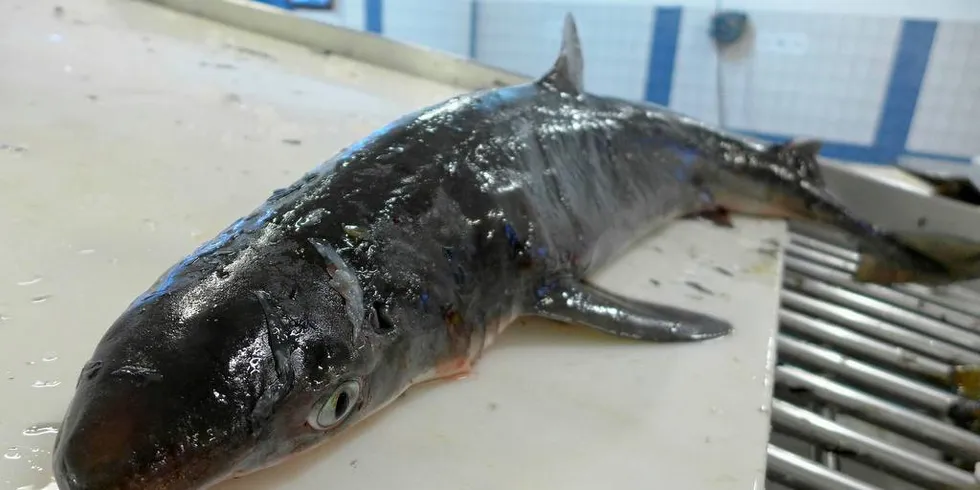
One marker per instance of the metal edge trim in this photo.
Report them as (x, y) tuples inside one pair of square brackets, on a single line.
[(358, 45)]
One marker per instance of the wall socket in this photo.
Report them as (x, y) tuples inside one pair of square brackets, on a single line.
[(791, 43)]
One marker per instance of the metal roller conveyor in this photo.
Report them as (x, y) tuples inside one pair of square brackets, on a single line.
[(792, 469), (878, 329), (829, 457), (822, 258), (830, 237), (948, 297), (880, 412), (826, 455), (868, 348), (919, 394), (915, 467), (872, 307), (884, 294), (844, 259), (903, 359), (801, 242)]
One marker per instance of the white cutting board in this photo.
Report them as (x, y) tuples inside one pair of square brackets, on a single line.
[(133, 133)]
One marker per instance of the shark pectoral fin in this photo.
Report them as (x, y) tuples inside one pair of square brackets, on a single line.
[(572, 301)]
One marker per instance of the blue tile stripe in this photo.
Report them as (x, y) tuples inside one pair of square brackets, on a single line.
[(938, 156), (898, 108), (373, 14), (663, 54), (908, 71), (474, 25), (298, 4), (283, 4)]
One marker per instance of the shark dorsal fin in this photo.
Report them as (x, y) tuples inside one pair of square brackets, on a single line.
[(566, 74), (800, 157), (807, 147)]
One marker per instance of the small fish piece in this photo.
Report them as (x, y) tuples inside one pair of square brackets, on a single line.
[(966, 378), (959, 256), (283, 331)]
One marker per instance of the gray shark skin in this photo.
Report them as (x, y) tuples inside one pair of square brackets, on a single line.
[(397, 262)]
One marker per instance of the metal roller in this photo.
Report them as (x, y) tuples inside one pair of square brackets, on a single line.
[(882, 310), (868, 348), (830, 236), (879, 329), (885, 294), (913, 371), (828, 456), (805, 245), (818, 257), (866, 375), (797, 470), (803, 242), (917, 468), (955, 297), (880, 412)]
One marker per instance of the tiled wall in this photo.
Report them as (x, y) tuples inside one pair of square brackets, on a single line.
[(444, 24), (874, 79), (525, 36), (947, 118), (816, 75)]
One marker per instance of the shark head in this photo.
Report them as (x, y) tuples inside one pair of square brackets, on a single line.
[(220, 370)]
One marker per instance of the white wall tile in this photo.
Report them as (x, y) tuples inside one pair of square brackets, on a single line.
[(830, 86), (947, 116), (940, 9), (439, 24), (524, 37), (694, 89)]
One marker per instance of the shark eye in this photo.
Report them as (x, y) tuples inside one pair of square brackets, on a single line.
[(334, 408)]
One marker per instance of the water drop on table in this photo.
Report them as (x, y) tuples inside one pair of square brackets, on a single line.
[(45, 384), (40, 299), (30, 282), (12, 453), (86, 251), (40, 430), (50, 357)]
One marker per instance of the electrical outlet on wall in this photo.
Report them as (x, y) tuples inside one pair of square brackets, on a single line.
[(792, 43)]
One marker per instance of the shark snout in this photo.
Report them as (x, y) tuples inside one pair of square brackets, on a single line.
[(94, 449), (132, 428)]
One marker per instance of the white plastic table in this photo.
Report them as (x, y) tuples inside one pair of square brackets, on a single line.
[(130, 133)]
